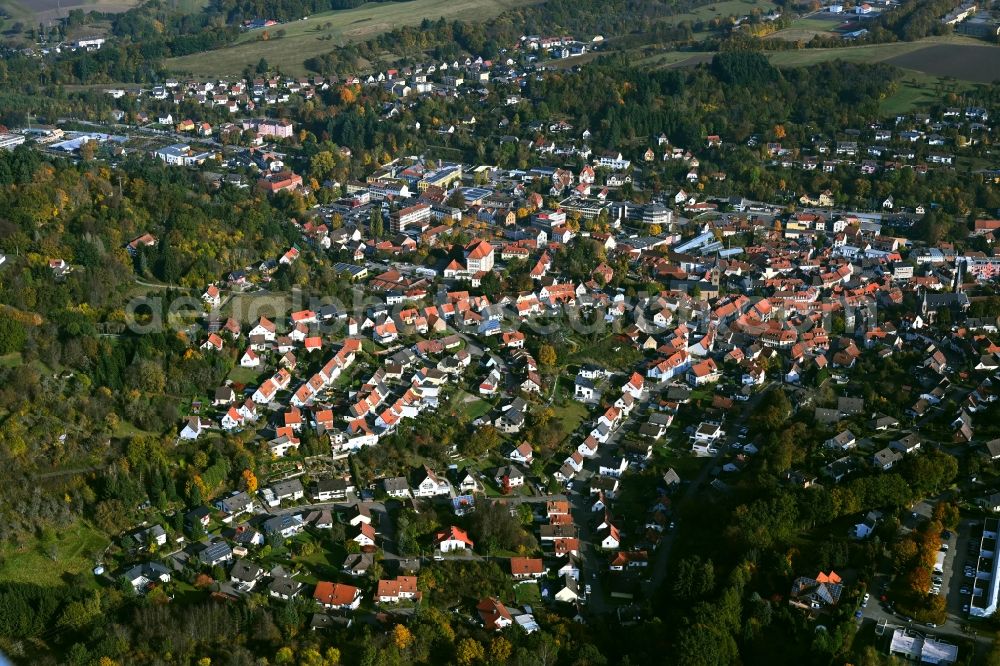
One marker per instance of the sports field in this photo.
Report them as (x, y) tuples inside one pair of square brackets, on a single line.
[(320, 33)]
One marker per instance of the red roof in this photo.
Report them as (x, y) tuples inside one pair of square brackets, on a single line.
[(393, 587), (493, 613), (526, 566), (335, 594), (479, 249), (453, 534)]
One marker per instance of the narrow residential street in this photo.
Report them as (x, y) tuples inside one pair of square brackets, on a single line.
[(661, 561)]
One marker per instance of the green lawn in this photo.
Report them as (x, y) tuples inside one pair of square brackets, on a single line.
[(70, 551), (686, 465), (186, 594), (527, 594), (470, 407), (816, 24), (243, 375), (917, 89), (247, 308), (124, 429), (321, 33), (324, 564), (11, 360), (570, 414), (609, 352)]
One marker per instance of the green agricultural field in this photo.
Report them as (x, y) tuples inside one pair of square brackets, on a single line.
[(44, 560), (676, 59), (865, 53), (723, 10), (320, 33), (48, 10), (805, 29), (929, 59)]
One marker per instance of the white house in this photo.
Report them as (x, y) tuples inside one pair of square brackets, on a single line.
[(452, 539), (431, 486), (250, 359)]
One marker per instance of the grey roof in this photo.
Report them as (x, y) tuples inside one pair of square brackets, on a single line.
[(150, 533), (395, 483), (245, 570), (224, 393), (993, 447), (886, 457), (670, 477), (214, 551), (359, 561), (285, 586), (282, 522), (850, 405), (510, 471), (659, 418), (145, 569), (570, 584), (332, 484), (235, 502), (289, 487)]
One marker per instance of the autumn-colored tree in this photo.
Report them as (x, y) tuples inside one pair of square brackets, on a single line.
[(249, 480), (347, 95), (469, 651), (401, 637), (655, 230), (918, 581), (947, 514), (779, 132), (203, 581), (500, 650), (547, 355), (284, 656)]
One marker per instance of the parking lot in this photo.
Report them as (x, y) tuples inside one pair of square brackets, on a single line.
[(966, 553)]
